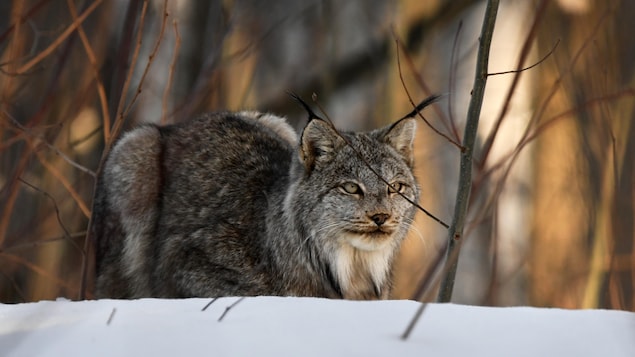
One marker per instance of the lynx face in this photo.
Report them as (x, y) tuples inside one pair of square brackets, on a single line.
[(363, 210), (347, 210)]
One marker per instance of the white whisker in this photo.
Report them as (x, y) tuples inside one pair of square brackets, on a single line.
[(413, 228), (329, 228)]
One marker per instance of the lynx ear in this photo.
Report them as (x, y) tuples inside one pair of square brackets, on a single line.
[(401, 137), (319, 143)]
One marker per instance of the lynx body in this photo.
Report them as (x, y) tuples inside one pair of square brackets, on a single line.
[(237, 204)]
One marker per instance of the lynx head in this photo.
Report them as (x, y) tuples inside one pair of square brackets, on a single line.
[(350, 196), (349, 202)]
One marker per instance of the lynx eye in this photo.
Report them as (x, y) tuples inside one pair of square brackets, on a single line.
[(396, 187), (351, 188)]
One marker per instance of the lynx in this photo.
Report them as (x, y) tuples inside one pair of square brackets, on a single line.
[(235, 203)]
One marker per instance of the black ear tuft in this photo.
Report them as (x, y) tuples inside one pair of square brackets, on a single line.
[(424, 103), (304, 105)]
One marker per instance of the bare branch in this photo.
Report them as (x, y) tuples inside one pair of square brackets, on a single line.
[(119, 118), (452, 75), (422, 84), (209, 304), (36, 269), (168, 85), (530, 67), (36, 243), (101, 90), (58, 41), (430, 280), (455, 233), (67, 234), (111, 316), (230, 307), (48, 145), (150, 59), (32, 11), (64, 181), (15, 286), (417, 108)]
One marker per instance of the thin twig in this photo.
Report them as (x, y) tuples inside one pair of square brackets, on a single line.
[(430, 277), (83, 207), (494, 280), (452, 75), (18, 137), (530, 67), (556, 84), (33, 244), (69, 30), (426, 89), (87, 257), (101, 90), (37, 269), (465, 175), (119, 118), (229, 308), (123, 110), (209, 304), (111, 316), (427, 283), (422, 105), (116, 127), (32, 11), (437, 131), (40, 139), (150, 59), (73, 144), (15, 286), (626, 92), (414, 320), (67, 234), (168, 85), (10, 192)]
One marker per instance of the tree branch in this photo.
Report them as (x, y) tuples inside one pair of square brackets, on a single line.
[(455, 232)]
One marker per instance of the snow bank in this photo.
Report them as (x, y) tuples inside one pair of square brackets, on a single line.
[(273, 326)]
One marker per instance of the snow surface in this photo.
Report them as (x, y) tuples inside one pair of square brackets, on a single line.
[(274, 326)]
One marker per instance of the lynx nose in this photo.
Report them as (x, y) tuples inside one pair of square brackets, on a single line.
[(380, 218)]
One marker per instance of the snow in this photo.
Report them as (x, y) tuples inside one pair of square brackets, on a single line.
[(275, 326)]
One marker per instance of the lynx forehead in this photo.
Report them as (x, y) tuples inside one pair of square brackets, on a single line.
[(238, 204)]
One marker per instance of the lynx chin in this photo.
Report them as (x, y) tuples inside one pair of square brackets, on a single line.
[(238, 204)]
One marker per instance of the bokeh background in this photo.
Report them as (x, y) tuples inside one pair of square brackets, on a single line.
[(551, 217)]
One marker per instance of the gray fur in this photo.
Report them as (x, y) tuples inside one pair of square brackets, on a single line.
[(236, 204)]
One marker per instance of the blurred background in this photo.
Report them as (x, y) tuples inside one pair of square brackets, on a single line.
[(551, 217)]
